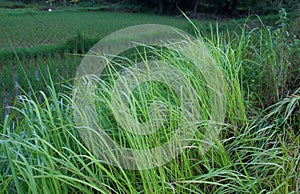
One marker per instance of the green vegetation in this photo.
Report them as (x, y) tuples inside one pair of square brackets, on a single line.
[(36, 41), (42, 152), (40, 40), (195, 7), (32, 28)]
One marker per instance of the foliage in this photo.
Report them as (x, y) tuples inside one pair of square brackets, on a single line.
[(257, 151), (271, 65), (211, 7), (42, 150)]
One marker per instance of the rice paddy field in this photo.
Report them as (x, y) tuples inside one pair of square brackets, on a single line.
[(34, 28), (258, 147), (33, 40)]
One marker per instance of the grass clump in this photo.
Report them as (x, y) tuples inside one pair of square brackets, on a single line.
[(257, 150)]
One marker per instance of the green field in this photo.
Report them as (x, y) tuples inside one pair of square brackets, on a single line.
[(258, 148), (32, 28), (33, 41)]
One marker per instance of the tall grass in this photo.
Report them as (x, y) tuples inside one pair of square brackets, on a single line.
[(42, 151)]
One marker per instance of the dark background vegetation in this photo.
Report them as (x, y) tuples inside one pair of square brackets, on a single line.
[(194, 8)]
